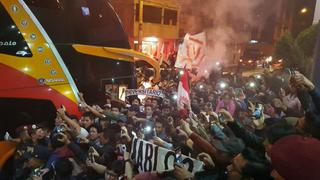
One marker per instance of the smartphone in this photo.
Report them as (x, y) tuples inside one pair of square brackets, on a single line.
[(257, 113), (141, 108), (122, 148), (221, 118), (291, 71), (38, 172)]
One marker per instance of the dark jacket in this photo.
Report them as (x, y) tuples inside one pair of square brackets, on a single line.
[(250, 139)]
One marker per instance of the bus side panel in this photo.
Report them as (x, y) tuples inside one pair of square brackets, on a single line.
[(19, 85)]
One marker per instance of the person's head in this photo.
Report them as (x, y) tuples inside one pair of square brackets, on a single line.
[(226, 98), (36, 132), (276, 132), (63, 168), (278, 105), (292, 91), (159, 126), (107, 107), (295, 157), (148, 102), (93, 133), (117, 170), (87, 119), (166, 111), (310, 124), (38, 156), (108, 136), (58, 120), (136, 101), (133, 110), (201, 100), (211, 98), (249, 164), (115, 110), (148, 110), (208, 107), (194, 102), (22, 133), (166, 102), (103, 123), (154, 104)]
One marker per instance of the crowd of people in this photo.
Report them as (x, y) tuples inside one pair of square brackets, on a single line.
[(249, 128)]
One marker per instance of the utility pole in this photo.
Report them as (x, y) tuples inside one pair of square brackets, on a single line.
[(140, 25)]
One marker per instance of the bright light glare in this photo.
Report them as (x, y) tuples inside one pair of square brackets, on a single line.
[(175, 97), (151, 39), (250, 61), (223, 85), (148, 128), (67, 92), (304, 10), (26, 69), (136, 42), (205, 71), (259, 76), (201, 86), (269, 59), (218, 63), (253, 41), (181, 72), (252, 84)]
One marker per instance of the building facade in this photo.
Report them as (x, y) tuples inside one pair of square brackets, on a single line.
[(155, 24)]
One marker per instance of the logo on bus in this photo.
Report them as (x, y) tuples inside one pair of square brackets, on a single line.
[(43, 81), (8, 43)]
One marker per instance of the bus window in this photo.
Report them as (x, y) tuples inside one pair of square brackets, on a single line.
[(11, 40), (86, 22), (80, 22)]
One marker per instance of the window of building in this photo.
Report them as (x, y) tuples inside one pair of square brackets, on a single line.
[(170, 17), (152, 14), (11, 39)]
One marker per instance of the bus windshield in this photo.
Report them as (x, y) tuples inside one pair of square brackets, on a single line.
[(86, 22), (80, 22)]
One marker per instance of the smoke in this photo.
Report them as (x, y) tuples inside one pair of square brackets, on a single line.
[(228, 23)]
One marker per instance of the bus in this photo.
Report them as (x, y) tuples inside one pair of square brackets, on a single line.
[(50, 50), (251, 58)]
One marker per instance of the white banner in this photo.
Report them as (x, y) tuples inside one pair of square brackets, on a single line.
[(147, 92), (192, 51), (149, 157)]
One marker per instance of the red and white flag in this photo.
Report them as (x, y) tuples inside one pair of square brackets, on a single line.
[(183, 99), (192, 52)]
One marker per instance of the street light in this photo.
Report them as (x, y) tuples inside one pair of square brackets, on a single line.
[(304, 10)]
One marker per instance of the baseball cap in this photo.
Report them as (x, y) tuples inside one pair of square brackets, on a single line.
[(296, 157)]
